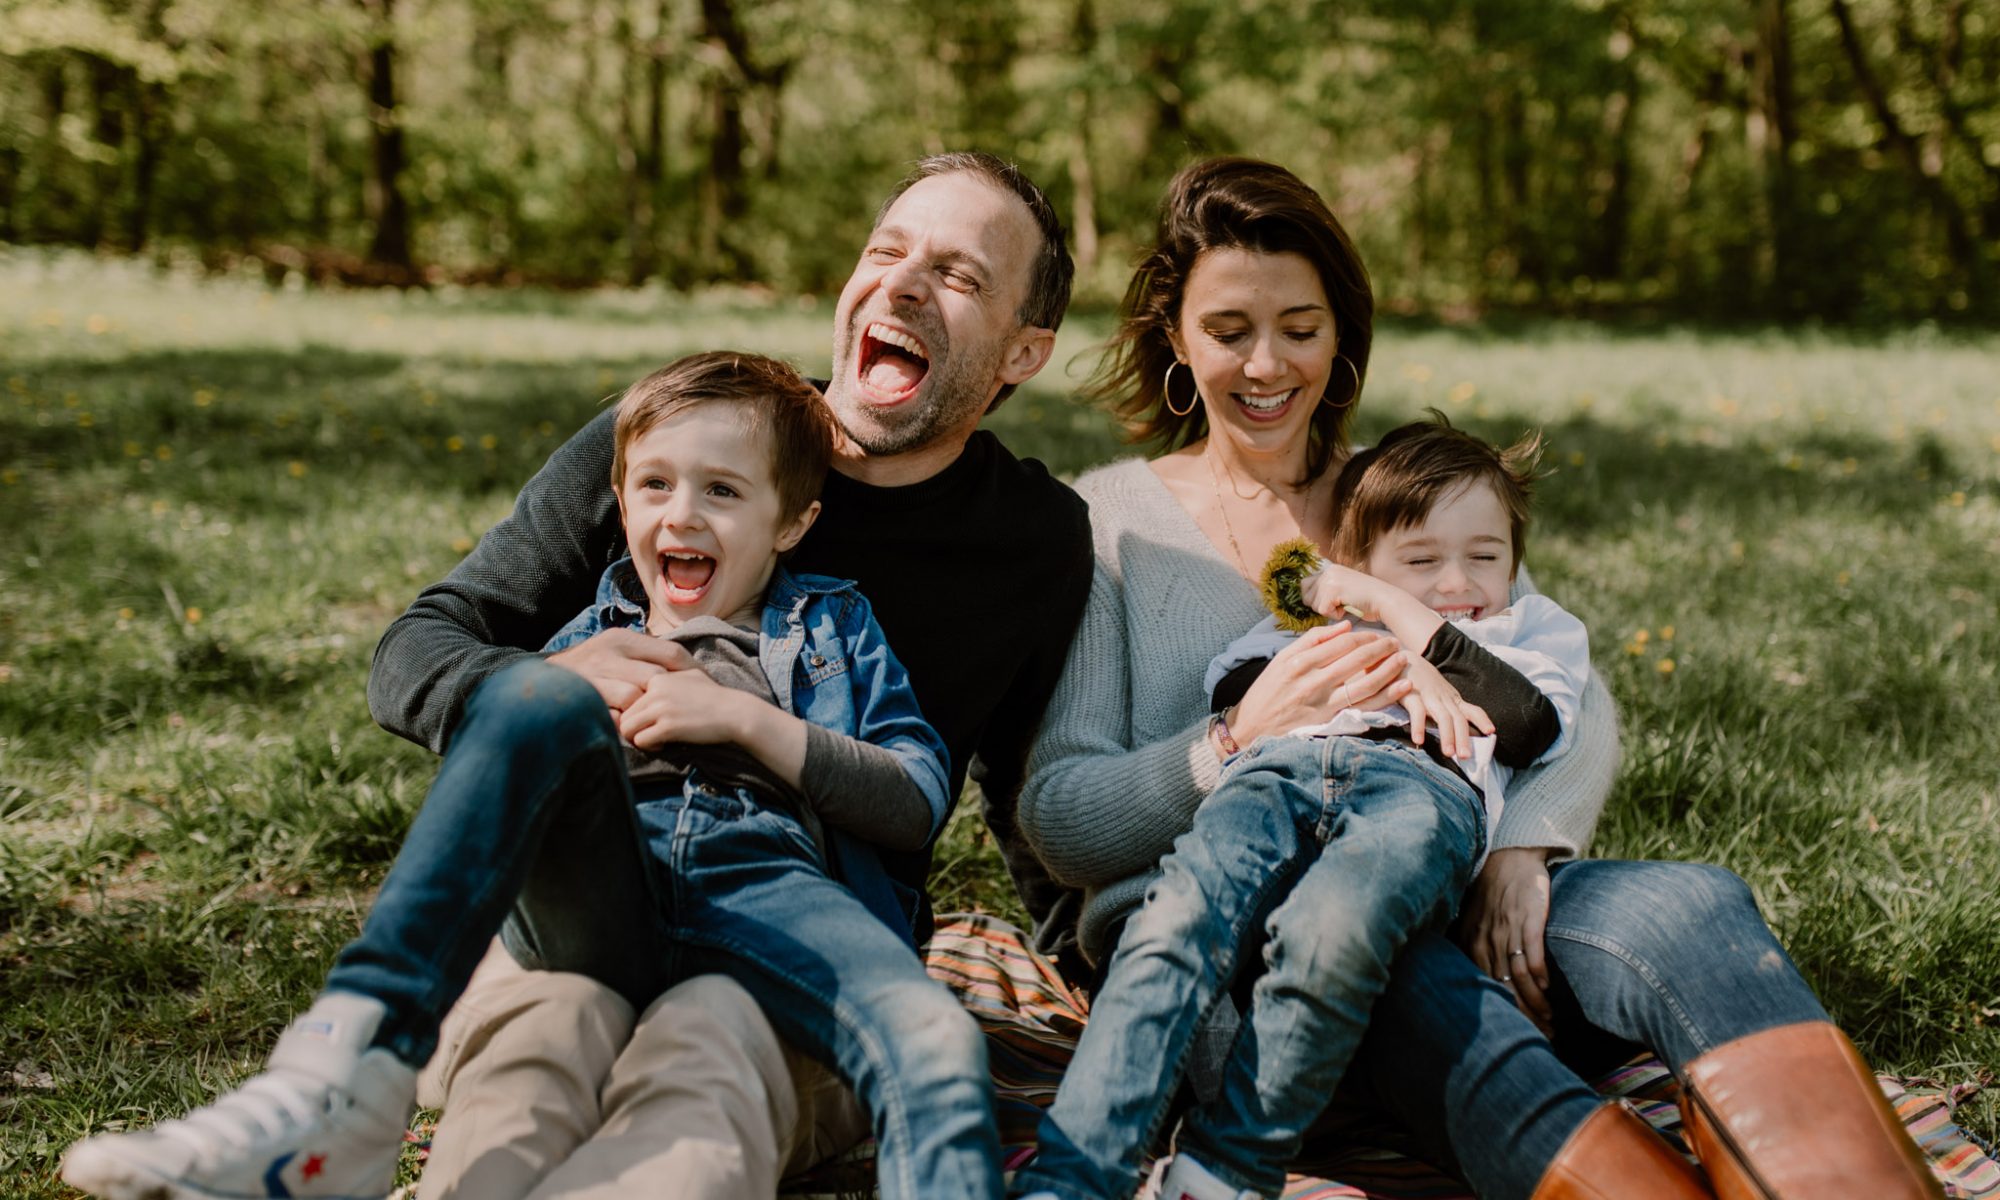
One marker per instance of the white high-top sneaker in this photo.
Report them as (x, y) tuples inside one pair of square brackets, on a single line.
[(1181, 1178), (324, 1120)]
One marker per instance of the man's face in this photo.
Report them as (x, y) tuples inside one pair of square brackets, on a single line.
[(927, 328)]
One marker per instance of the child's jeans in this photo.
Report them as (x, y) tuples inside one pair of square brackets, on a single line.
[(1341, 849), (532, 822)]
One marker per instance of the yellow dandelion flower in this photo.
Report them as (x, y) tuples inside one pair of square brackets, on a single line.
[(1849, 466), (548, 427), (6, 672), (454, 443), (133, 449), (461, 545), (97, 323), (1576, 458), (296, 469), (1736, 551), (1462, 391), (10, 477), (1642, 636), (1417, 373), (203, 397), (160, 508), (84, 420), (1958, 499), (17, 385), (193, 616), (1635, 649), (1843, 579), (1665, 666), (1666, 633), (163, 452), (126, 614), (488, 442)]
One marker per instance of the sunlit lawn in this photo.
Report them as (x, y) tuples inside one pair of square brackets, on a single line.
[(213, 497)]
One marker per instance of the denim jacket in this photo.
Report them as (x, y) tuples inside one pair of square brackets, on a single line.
[(827, 663)]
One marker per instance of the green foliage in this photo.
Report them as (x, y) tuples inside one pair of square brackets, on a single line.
[(213, 497), (1837, 161)]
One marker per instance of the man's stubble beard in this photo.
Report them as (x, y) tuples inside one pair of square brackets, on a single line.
[(948, 401)]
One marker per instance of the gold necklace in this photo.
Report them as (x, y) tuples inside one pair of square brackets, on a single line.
[(1228, 530)]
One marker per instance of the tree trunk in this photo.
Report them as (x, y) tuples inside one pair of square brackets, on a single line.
[(1082, 177), (627, 138), (387, 208), (1772, 131)]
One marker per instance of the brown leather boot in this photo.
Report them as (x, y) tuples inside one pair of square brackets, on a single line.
[(1615, 1155), (1793, 1112)]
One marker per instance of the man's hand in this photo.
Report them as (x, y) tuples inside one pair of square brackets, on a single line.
[(620, 662), (1506, 910)]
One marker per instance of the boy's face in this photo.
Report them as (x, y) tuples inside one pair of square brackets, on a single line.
[(1459, 561), (702, 516)]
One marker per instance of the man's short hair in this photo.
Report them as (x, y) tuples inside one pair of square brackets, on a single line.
[(1050, 275), (1395, 483), (774, 400)]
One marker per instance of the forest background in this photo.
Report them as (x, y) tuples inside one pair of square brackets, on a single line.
[(1781, 159), (295, 296)]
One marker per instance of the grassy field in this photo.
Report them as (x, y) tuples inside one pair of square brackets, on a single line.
[(213, 497)]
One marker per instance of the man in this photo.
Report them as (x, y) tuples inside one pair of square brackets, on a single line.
[(976, 565)]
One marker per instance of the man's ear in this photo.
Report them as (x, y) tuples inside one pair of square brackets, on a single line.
[(1028, 353), (792, 531)]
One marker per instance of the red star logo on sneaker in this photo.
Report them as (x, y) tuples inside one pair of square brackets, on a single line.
[(314, 1166)]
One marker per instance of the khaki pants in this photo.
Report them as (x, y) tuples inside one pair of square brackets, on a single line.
[(551, 1089)]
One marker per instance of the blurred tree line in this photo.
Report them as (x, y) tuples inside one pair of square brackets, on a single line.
[(1767, 158)]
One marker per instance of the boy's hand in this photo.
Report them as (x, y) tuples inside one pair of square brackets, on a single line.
[(1432, 698), (683, 706), (620, 662), (1336, 591)]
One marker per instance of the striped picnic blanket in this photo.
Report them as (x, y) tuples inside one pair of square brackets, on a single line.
[(1032, 1019)]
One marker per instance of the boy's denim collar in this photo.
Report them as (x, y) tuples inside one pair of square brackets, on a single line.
[(621, 600)]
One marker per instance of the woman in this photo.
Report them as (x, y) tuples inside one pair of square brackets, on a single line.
[(1603, 955)]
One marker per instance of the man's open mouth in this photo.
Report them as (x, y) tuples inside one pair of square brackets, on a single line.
[(892, 362), (687, 575)]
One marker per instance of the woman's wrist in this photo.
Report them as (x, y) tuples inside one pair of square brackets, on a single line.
[(1221, 738)]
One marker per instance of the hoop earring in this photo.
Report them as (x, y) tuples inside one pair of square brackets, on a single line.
[(1167, 390), (1353, 396)]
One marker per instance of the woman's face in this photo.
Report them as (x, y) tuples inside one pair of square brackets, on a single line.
[(1258, 334)]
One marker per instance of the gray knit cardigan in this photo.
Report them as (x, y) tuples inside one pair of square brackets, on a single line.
[(1123, 760)]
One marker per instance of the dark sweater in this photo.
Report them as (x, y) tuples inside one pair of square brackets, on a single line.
[(977, 575)]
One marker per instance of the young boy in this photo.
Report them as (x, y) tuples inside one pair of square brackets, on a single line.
[(773, 762), (1340, 841)]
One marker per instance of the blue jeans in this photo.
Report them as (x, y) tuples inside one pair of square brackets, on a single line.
[(1662, 955), (532, 822), (1338, 850)]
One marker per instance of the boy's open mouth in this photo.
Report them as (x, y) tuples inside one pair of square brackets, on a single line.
[(892, 363), (687, 575)]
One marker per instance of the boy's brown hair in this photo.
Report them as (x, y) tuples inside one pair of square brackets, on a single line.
[(775, 401), (1396, 483)]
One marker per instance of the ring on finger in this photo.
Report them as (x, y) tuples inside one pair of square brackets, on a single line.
[(1517, 954), (1506, 979)]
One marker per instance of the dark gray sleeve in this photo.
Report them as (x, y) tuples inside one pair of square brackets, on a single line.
[(530, 573), (862, 788), (1525, 722)]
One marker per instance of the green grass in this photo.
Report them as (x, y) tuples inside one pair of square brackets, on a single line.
[(213, 497)]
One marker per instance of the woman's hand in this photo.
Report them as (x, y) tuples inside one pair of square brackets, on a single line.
[(1506, 910), (1433, 698), (1323, 671)]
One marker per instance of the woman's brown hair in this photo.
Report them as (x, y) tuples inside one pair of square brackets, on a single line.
[(1234, 203)]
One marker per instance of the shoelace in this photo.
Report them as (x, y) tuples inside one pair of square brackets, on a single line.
[(262, 1109)]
